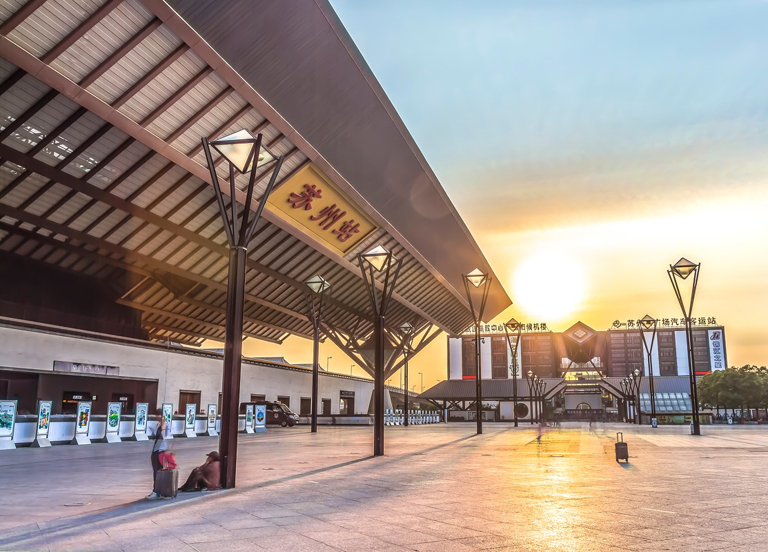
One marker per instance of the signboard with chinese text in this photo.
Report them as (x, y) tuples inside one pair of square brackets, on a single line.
[(260, 425), (309, 201), (7, 419), (113, 417), (83, 418), (716, 350), (140, 423), (81, 368), (44, 418)]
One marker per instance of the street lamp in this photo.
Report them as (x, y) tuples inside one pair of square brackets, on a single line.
[(529, 379), (422, 381), (482, 282), (678, 272), (648, 326), (318, 286), (516, 328), (244, 154), (634, 385), (406, 330), (379, 261), (625, 393), (541, 387), (350, 369)]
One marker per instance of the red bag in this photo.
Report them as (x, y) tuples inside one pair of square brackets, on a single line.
[(168, 460)]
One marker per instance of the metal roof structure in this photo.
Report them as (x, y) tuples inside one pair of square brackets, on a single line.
[(102, 107), (493, 389)]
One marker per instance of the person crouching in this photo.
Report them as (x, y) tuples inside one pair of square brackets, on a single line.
[(207, 476)]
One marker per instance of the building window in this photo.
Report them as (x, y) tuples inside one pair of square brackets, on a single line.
[(258, 398), (326, 407), (285, 400)]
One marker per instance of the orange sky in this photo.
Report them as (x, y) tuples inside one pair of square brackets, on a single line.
[(587, 146)]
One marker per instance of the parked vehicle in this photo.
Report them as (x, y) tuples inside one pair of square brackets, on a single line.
[(280, 414)]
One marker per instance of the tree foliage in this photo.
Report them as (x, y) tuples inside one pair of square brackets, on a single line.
[(735, 387)]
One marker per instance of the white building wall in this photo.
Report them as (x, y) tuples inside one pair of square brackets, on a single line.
[(486, 357), (454, 358), (36, 350), (681, 352), (654, 355)]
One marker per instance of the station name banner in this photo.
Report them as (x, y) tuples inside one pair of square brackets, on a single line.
[(499, 328), (668, 322), (81, 368), (308, 199)]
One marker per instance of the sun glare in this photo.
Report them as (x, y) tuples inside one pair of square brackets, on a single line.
[(549, 287)]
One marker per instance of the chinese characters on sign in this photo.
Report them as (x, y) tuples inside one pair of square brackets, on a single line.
[(499, 328), (320, 209), (667, 322)]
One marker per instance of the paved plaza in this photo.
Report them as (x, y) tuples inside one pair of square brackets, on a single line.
[(439, 488)]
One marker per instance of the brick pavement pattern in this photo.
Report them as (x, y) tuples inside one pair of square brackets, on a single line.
[(439, 488)]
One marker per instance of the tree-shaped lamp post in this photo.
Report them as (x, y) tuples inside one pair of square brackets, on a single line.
[(244, 154), (318, 288)]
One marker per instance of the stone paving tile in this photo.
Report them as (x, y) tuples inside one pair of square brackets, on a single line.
[(439, 488)]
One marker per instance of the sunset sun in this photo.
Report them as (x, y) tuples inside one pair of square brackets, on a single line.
[(549, 286)]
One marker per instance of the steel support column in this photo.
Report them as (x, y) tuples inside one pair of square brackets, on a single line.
[(378, 387), (233, 347), (315, 375), (406, 401)]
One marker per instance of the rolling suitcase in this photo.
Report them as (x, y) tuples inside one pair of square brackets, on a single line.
[(622, 452), (167, 483)]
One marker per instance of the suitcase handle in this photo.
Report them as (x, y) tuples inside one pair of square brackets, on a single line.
[(622, 437)]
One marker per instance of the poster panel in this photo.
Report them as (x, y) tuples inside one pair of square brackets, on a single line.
[(83, 417), (212, 416), (7, 419), (113, 417), (140, 423), (716, 350), (249, 418), (44, 418), (168, 419), (190, 418), (261, 418)]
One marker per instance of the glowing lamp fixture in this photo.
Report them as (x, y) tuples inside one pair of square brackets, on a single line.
[(684, 268), (406, 328), (530, 373), (476, 277), (637, 372), (647, 322), (239, 149), (377, 257), (318, 284)]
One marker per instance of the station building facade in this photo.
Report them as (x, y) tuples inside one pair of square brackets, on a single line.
[(581, 369)]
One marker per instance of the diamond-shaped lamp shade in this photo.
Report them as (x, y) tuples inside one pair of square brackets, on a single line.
[(476, 277), (318, 284), (684, 267), (647, 322), (406, 328), (238, 150), (377, 257), (637, 372), (513, 324), (530, 373)]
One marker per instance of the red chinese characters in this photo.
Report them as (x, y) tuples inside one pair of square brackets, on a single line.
[(347, 230), (328, 216), (305, 198)]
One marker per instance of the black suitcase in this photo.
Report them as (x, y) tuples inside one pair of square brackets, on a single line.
[(622, 452), (167, 483)]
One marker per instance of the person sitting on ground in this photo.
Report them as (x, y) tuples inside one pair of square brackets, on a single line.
[(207, 476)]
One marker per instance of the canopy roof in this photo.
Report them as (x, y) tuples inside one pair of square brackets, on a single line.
[(103, 107)]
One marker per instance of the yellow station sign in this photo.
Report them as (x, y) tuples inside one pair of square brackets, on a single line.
[(310, 201)]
